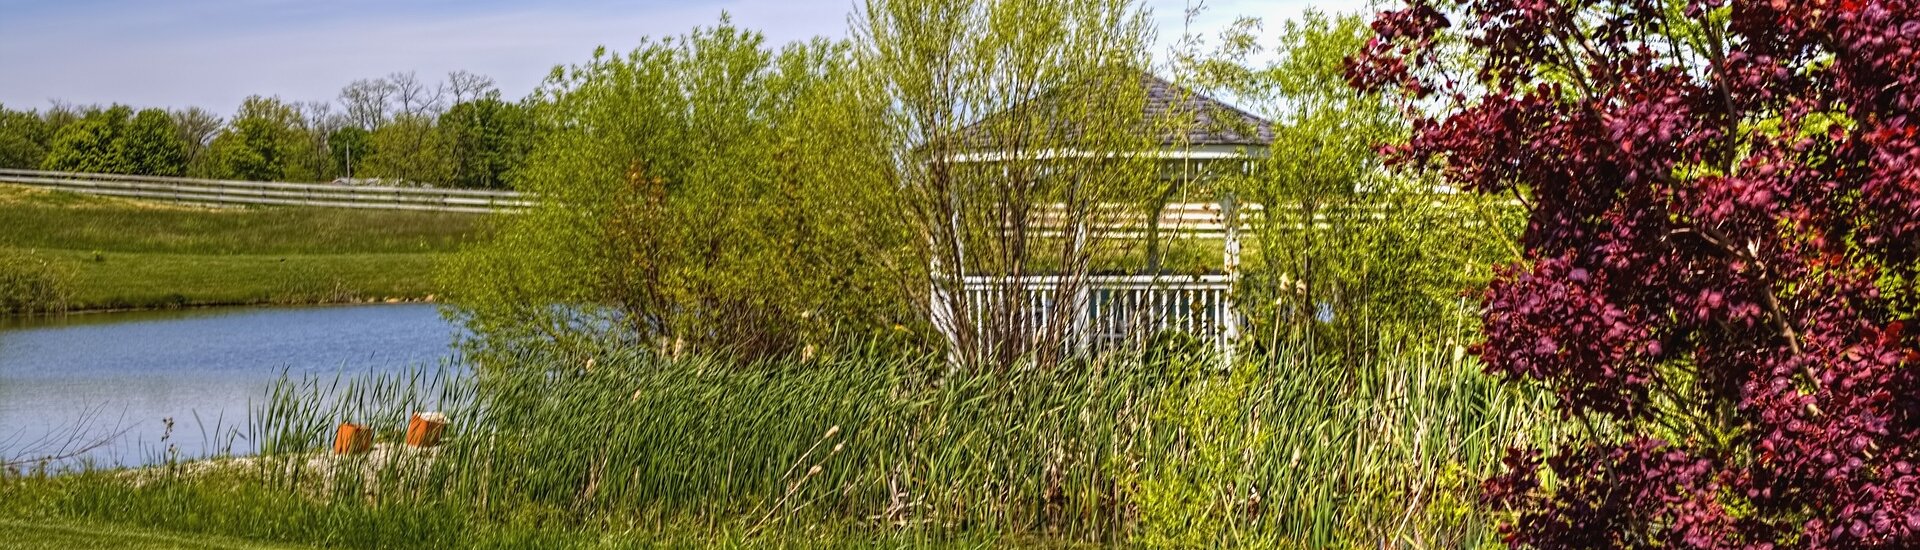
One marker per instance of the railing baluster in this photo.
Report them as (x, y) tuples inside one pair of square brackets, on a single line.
[(1104, 312)]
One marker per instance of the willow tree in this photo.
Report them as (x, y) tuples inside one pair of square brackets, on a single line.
[(1347, 251), (1016, 135), (700, 193)]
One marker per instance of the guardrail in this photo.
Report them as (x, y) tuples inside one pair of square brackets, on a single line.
[(206, 191)]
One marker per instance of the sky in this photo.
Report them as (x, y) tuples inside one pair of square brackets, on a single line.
[(214, 53)]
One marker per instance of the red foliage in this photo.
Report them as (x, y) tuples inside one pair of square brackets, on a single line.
[(1723, 239)]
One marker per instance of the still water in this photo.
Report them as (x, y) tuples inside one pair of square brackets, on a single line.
[(84, 376)]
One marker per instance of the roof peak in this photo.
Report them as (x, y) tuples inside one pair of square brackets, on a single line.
[(1215, 122), (1212, 122)]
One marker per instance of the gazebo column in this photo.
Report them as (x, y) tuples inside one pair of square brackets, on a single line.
[(1230, 263)]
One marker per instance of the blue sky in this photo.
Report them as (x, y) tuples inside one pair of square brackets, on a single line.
[(213, 53)]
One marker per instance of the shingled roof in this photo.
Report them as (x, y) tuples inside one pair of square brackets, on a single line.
[(1212, 123)]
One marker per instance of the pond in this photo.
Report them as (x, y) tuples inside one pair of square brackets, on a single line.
[(69, 381)]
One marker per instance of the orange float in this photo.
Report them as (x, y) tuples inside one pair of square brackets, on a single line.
[(425, 429), (352, 439)]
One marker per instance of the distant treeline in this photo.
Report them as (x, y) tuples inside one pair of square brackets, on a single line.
[(458, 133)]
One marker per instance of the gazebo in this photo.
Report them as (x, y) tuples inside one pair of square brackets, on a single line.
[(1123, 303)]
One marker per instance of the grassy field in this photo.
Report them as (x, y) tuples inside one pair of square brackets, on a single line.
[(121, 254)]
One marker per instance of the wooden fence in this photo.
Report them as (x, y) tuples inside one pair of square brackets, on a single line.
[(228, 192)]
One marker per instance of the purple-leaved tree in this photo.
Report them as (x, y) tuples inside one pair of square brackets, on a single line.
[(1721, 256)]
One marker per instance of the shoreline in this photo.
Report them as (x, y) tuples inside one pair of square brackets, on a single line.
[(428, 299)]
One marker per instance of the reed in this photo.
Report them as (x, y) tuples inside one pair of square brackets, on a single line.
[(1288, 450)]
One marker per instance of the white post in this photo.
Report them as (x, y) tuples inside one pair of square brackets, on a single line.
[(1082, 314), (940, 307), (1230, 262)]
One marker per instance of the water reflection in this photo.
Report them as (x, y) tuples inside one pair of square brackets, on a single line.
[(130, 371)]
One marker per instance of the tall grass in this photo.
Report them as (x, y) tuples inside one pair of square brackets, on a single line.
[(1280, 451), (30, 285)]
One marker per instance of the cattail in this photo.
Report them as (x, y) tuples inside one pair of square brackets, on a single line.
[(833, 431), (814, 471)]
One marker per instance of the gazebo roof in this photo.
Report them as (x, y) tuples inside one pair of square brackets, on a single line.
[(1214, 121), (1211, 122)]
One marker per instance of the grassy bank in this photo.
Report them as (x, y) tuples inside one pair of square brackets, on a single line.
[(57, 535), (1290, 452), (120, 254)]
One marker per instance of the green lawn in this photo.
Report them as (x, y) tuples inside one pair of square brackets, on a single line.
[(121, 254), (22, 535)]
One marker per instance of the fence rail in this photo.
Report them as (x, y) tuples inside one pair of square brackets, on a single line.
[(229, 192)]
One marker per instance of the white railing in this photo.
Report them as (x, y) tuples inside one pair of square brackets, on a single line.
[(205, 191), (1112, 312)]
